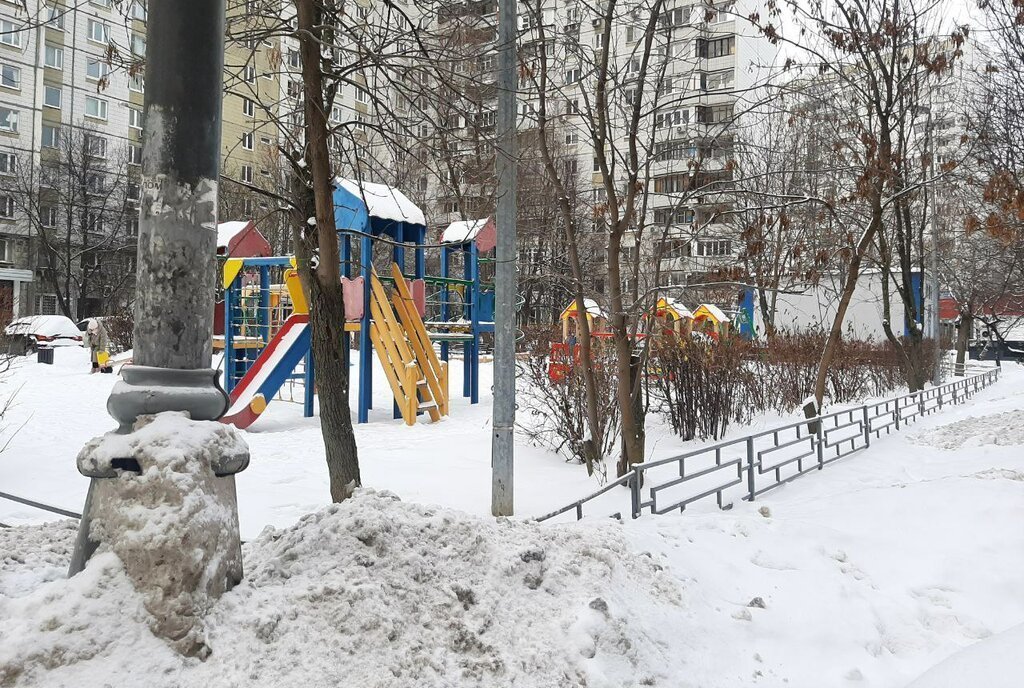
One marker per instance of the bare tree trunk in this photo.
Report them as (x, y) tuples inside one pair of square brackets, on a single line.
[(326, 306), (963, 336)]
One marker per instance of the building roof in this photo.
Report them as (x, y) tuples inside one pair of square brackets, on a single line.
[(676, 306), (715, 312), (593, 309), (462, 231), (383, 201)]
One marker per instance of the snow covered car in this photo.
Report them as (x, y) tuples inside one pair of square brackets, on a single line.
[(27, 335)]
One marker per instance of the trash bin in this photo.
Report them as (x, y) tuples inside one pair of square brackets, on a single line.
[(45, 356)]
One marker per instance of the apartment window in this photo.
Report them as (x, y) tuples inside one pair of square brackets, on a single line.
[(99, 32), (10, 76), (597, 165), (47, 304), (10, 33), (673, 216), (101, 3), (95, 183), (54, 57), (52, 96), (294, 60), (247, 140), (714, 114), (94, 222), (571, 168), (672, 183), (718, 47), (633, 66), (247, 174), (572, 107), (487, 119), (7, 206), (96, 146), (248, 107), (721, 14), (51, 136), (719, 80), (675, 118), (134, 154), (572, 137), (360, 125), (294, 89), (95, 108), (8, 163), (133, 191), (135, 118), (488, 63), (139, 10), (96, 69), (55, 17), (48, 216), (131, 226), (677, 17), (362, 95), (265, 140), (250, 74), (715, 247), (137, 83), (247, 207), (573, 76), (138, 45), (8, 119)]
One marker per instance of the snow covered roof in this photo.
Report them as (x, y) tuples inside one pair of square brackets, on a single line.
[(677, 306), (593, 309), (384, 202), (463, 231), (715, 312), (46, 325), (226, 231)]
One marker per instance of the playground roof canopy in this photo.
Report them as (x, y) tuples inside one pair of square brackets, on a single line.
[(383, 201), (716, 313), (226, 231), (462, 231), (593, 309), (676, 306)]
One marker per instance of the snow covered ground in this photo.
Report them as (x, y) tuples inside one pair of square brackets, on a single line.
[(902, 560)]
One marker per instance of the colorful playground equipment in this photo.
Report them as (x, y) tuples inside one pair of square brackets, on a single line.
[(399, 314)]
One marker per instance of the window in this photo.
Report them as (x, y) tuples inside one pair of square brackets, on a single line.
[(134, 155), (131, 226), (360, 125), (51, 136), (8, 119), (250, 74), (10, 76), (95, 146), (675, 118), (633, 66), (139, 10), (138, 45), (719, 80), (7, 206), (47, 304), (248, 107), (135, 118), (94, 222), (294, 89), (137, 83), (48, 216), (247, 140), (714, 114), (715, 247), (101, 3), (597, 165), (294, 60), (571, 168), (715, 48), (133, 191), (95, 183), (573, 76), (572, 137), (95, 108), (99, 32), (55, 17), (96, 69), (247, 174), (672, 183), (677, 17), (673, 216), (10, 33), (362, 96), (8, 163), (52, 97), (572, 107), (54, 57)]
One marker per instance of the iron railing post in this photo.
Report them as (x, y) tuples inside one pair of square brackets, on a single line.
[(634, 492), (820, 442), (867, 426), (751, 485)]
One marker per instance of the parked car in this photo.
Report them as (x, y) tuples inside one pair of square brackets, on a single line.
[(28, 335)]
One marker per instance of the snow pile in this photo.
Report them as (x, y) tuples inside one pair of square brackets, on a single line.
[(30, 556), (995, 662), (174, 525), (376, 592), (1002, 429)]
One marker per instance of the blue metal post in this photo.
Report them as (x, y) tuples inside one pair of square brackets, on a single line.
[(398, 255), (445, 258), (310, 385), (365, 354), (346, 255), (229, 339), (263, 317), (468, 347)]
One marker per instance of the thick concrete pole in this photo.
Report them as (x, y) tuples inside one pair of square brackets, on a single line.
[(177, 269), (504, 418)]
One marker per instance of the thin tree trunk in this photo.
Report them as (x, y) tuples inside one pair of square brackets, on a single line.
[(327, 308), (963, 336)]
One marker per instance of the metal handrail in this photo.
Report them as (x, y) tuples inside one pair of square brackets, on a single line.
[(812, 444)]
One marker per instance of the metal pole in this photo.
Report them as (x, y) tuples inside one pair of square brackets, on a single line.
[(177, 271), (934, 267), (505, 268)]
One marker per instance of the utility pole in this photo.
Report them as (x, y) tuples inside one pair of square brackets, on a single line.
[(176, 282), (933, 266), (504, 410)]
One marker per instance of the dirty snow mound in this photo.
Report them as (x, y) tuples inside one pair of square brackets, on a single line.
[(1004, 429), (376, 592), (31, 555)]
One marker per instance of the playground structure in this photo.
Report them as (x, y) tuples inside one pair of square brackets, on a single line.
[(399, 314), (668, 317)]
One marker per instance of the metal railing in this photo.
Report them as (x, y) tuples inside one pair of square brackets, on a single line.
[(745, 467), (39, 505)]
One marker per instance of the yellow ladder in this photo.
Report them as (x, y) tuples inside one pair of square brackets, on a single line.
[(417, 378)]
